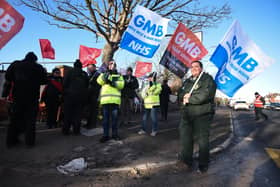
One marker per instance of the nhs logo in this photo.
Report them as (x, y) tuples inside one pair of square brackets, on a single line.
[(238, 59), (144, 33)]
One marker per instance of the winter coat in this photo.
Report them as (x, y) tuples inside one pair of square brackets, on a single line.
[(201, 101)]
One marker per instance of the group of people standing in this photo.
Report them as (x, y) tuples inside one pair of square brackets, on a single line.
[(113, 92), (77, 90)]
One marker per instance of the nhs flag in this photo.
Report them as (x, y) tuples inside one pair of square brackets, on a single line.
[(238, 59), (144, 32)]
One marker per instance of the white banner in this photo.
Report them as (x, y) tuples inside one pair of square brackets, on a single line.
[(239, 60), (144, 32)]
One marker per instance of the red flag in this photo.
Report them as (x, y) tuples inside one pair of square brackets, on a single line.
[(11, 22), (88, 55), (46, 49), (142, 68), (185, 46)]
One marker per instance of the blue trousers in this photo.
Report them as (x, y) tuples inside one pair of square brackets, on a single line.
[(110, 110), (153, 113)]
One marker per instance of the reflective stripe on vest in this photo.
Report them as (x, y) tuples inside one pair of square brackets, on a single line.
[(110, 95), (258, 103), (151, 101)]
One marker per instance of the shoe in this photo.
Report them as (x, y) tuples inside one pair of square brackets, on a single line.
[(202, 170), (183, 166), (116, 138), (154, 133), (104, 139), (141, 132)]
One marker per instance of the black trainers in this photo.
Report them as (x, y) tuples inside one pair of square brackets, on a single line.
[(104, 139)]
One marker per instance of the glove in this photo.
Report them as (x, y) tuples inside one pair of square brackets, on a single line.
[(106, 76)]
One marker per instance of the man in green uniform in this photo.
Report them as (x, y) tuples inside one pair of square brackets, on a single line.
[(197, 112)]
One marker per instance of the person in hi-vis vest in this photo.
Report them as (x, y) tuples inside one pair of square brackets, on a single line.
[(110, 98), (150, 95), (259, 104)]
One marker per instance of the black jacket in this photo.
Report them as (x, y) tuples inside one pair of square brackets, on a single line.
[(53, 90), (131, 84), (165, 93), (93, 87), (201, 101), (75, 84), (27, 77)]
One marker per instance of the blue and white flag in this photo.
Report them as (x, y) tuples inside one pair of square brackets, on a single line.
[(239, 60), (144, 32)]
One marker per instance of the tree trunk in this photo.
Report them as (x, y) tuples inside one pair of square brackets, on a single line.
[(108, 52)]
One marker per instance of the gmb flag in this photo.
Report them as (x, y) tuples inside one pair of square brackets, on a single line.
[(144, 32), (11, 22), (183, 48), (238, 59)]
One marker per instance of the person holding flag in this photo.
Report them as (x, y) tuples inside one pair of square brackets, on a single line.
[(150, 94), (197, 110)]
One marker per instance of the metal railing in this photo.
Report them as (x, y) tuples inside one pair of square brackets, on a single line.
[(6, 64)]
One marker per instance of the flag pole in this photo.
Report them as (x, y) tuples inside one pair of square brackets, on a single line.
[(199, 77), (196, 81)]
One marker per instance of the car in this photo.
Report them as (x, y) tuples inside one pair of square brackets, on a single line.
[(275, 106), (267, 106), (241, 105)]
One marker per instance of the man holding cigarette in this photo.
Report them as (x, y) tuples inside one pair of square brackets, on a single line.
[(197, 98)]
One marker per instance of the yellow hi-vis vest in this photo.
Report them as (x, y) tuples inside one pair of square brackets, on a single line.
[(151, 96), (110, 94)]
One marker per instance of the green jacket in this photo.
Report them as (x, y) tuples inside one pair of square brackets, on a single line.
[(201, 101), (110, 88)]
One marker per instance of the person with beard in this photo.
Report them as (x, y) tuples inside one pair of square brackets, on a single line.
[(27, 76), (110, 98), (52, 96)]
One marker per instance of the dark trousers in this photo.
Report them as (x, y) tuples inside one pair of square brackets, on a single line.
[(73, 107), (23, 120), (126, 109), (92, 112), (52, 109), (110, 110), (259, 112), (189, 129), (164, 109)]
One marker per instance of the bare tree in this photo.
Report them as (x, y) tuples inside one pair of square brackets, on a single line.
[(109, 18)]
